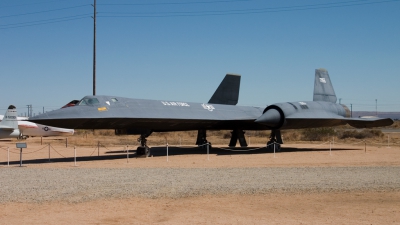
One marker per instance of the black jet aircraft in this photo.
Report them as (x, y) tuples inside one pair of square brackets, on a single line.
[(142, 117)]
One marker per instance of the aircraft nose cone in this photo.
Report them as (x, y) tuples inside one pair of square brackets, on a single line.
[(271, 118)]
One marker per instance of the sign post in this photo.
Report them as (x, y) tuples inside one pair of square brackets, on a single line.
[(20, 146)]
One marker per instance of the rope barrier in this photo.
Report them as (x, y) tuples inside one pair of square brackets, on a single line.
[(23, 152), (93, 152), (57, 151), (14, 152), (319, 144), (34, 151), (105, 147), (338, 143)]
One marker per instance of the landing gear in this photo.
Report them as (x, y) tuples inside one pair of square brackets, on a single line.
[(143, 149), (272, 144), (202, 139), (275, 141), (238, 135)]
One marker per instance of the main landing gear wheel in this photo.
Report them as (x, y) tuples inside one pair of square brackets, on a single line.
[(204, 145), (143, 150), (202, 139), (271, 144)]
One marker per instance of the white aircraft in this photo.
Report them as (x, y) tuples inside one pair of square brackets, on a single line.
[(29, 129), (9, 124)]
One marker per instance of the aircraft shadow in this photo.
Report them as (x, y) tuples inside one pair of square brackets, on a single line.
[(132, 154), (162, 152)]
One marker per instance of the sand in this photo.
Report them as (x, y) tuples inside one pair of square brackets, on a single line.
[(337, 207)]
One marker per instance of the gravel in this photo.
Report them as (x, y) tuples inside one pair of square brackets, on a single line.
[(80, 184)]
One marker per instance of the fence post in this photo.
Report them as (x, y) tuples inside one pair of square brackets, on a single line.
[(66, 142), (98, 148), (365, 148), (74, 156), (127, 154), (8, 156), (208, 151), (49, 152)]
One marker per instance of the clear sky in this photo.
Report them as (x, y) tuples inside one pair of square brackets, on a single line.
[(180, 50)]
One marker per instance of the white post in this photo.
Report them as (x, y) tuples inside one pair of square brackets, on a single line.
[(74, 156), (333, 141), (8, 156), (208, 151), (167, 151), (388, 142)]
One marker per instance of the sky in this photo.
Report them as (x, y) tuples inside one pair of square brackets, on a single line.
[(180, 50)]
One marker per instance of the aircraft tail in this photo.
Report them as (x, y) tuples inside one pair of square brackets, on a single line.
[(323, 88), (227, 92), (9, 121)]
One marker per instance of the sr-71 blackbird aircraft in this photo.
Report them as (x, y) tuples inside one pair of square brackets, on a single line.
[(142, 117)]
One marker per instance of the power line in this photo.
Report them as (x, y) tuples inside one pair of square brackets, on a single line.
[(174, 3), (249, 11), (188, 13), (46, 11), (35, 3), (42, 22)]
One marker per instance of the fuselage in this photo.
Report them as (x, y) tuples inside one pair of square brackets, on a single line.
[(111, 112), (30, 129)]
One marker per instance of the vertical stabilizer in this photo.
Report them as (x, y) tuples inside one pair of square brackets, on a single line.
[(323, 89), (10, 119), (227, 92)]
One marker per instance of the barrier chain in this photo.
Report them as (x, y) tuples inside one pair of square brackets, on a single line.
[(57, 151)]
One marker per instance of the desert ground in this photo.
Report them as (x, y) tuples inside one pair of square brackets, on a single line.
[(337, 182)]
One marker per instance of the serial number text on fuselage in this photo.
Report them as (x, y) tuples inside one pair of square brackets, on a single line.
[(176, 103)]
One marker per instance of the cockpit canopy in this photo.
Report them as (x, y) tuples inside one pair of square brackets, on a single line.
[(89, 101), (94, 100)]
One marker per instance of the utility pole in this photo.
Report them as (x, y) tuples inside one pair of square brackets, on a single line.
[(376, 107), (94, 47), (351, 110), (29, 110)]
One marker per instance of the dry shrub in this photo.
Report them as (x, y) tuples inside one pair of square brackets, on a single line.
[(216, 137), (396, 124), (318, 134), (366, 133), (260, 133), (291, 135)]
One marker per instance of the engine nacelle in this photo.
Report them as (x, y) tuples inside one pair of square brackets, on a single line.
[(296, 115), (273, 117)]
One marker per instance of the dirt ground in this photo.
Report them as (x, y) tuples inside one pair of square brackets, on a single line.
[(275, 208)]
